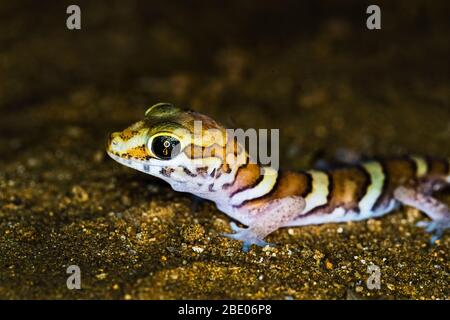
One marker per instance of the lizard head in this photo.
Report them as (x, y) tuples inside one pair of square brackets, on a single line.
[(185, 148)]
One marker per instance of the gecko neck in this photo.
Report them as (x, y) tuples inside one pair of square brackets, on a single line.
[(241, 183)]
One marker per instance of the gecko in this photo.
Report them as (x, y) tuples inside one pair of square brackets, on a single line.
[(215, 166)]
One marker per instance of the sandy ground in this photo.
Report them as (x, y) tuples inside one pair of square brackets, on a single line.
[(312, 70)]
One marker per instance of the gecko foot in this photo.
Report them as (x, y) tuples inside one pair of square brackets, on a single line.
[(247, 236), (435, 227), (438, 211)]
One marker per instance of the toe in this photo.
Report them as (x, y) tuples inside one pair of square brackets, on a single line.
[(436, 228), (230, 235), (430, 227), (245, 247), (235, 228), (422, 224), (247, 237)]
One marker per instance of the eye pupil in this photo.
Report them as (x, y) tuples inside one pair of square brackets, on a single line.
[(165, 147)]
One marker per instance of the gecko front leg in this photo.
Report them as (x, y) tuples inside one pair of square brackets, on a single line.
[(267, 218)]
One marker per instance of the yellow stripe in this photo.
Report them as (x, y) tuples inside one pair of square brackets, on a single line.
[(262, 188), (421, 164), (375, 170), (319, 193)]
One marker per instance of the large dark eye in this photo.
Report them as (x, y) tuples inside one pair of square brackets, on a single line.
[(166, 147)]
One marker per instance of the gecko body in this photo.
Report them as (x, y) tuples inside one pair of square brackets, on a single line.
[(216, 167)]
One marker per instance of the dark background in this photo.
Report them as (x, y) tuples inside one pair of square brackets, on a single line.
[(252, 59), (310, 68)]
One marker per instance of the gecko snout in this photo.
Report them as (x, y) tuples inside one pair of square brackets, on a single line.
[(113, 142)]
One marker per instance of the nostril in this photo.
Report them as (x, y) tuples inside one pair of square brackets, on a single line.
[(113, 139)]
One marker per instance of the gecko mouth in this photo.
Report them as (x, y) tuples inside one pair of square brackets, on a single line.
[(132, 163), (144, 166)]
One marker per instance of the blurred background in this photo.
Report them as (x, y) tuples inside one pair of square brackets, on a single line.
[(257, 63), (311, 68)]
